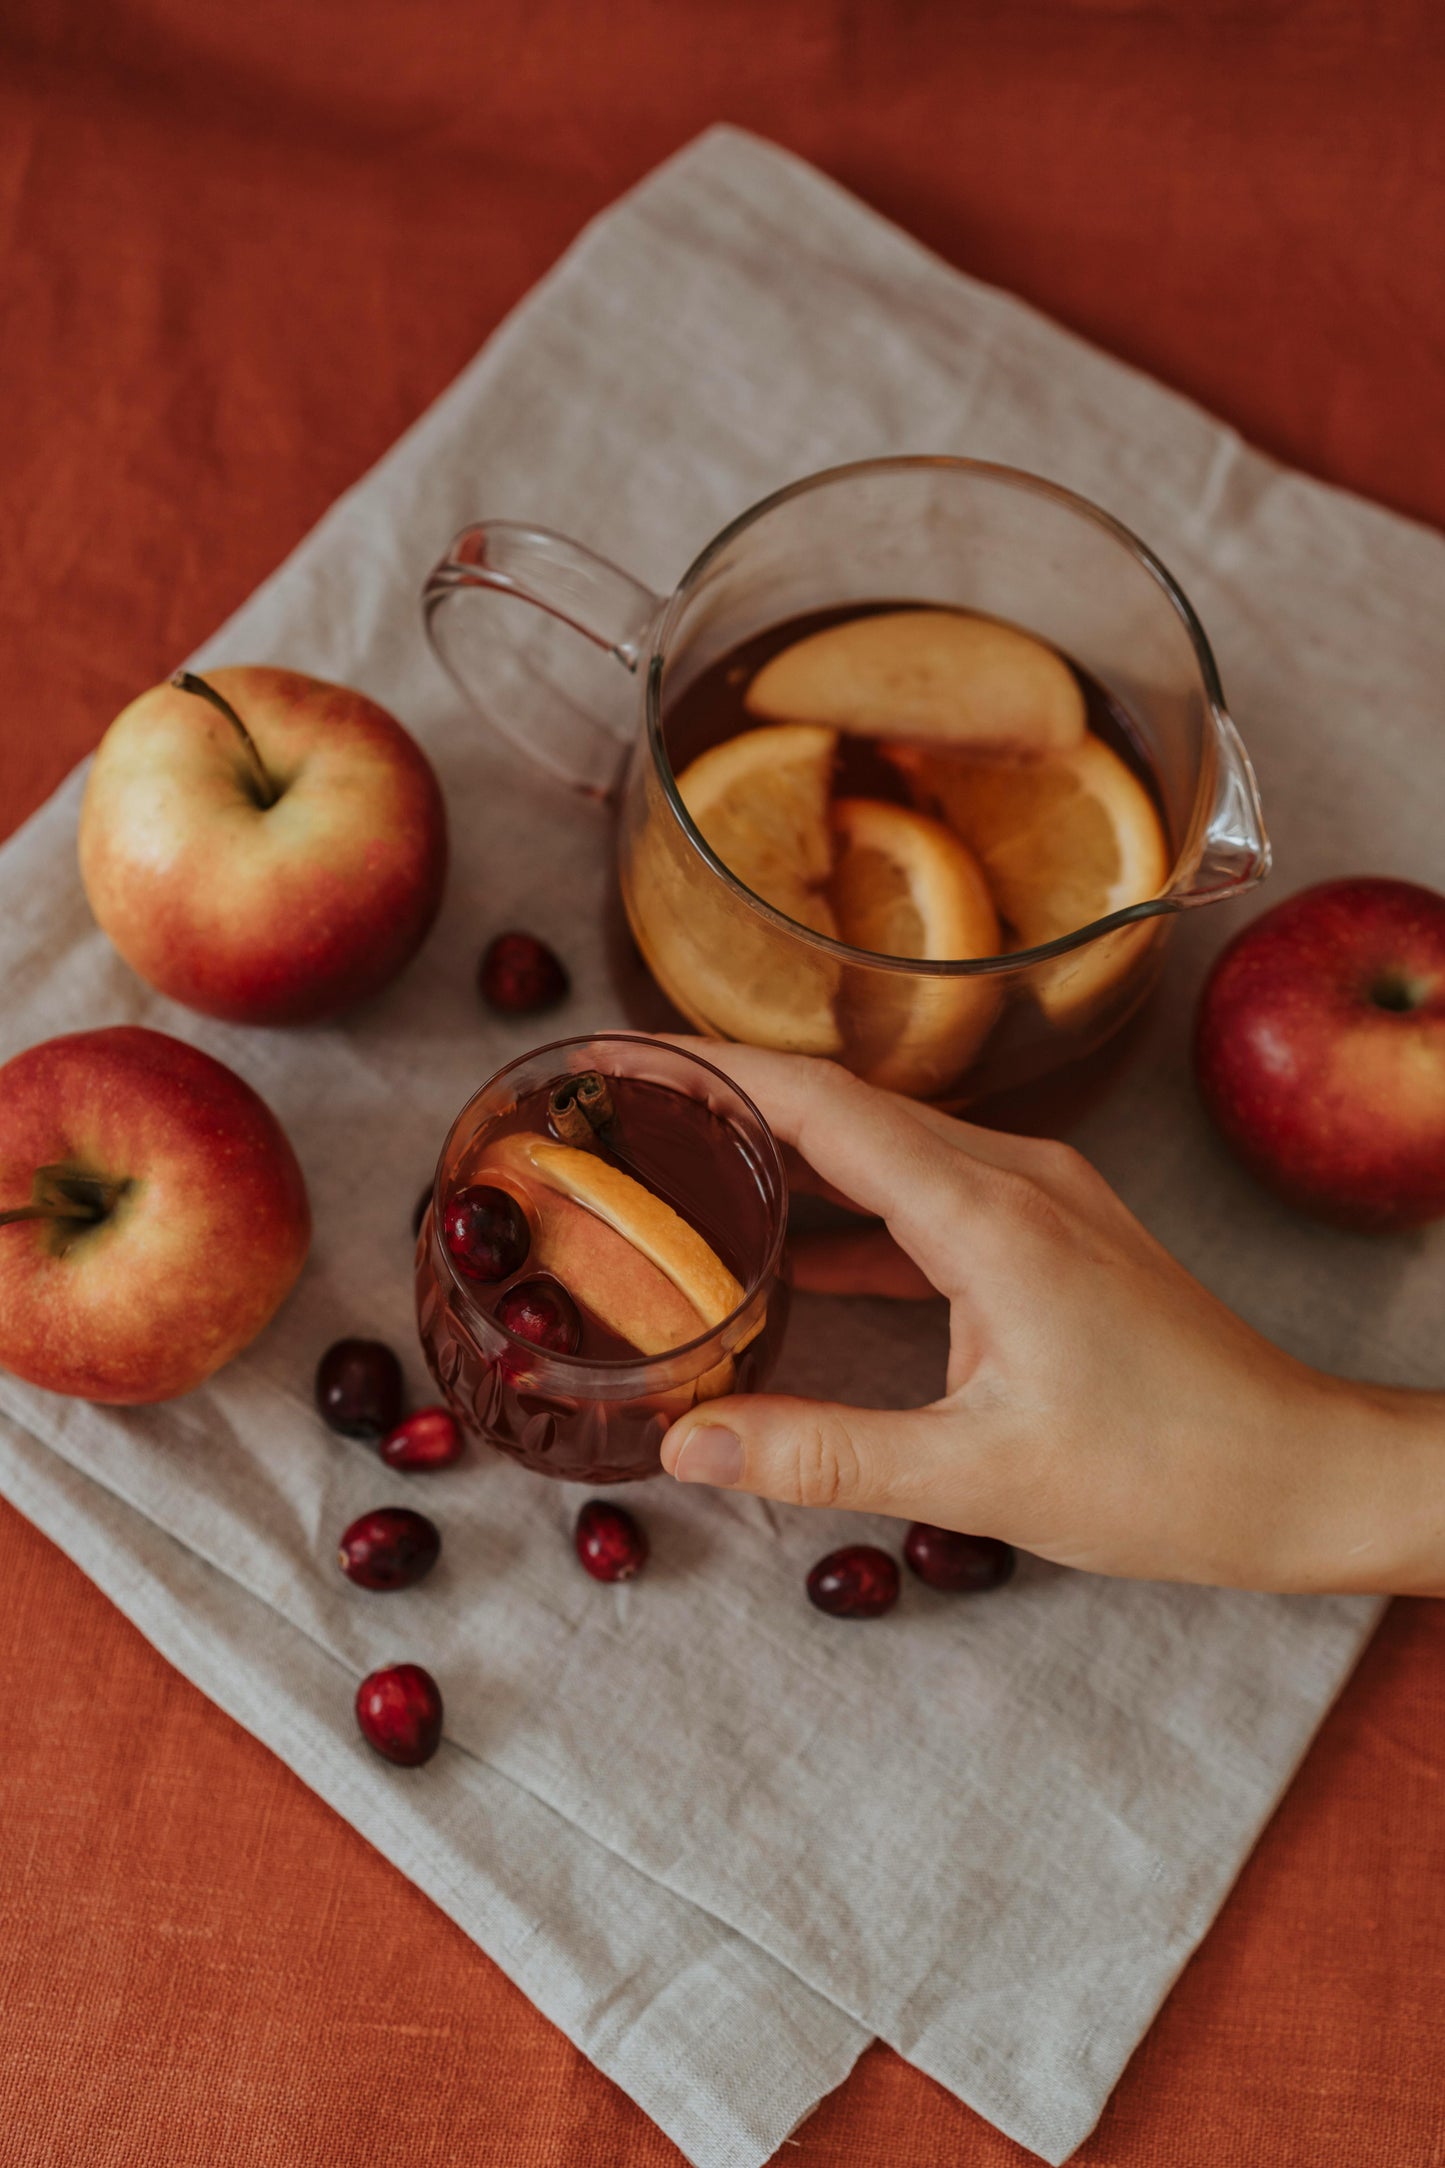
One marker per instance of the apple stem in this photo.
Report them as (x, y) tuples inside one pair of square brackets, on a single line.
[(186, 681), (47, 1211), (64, 1193)]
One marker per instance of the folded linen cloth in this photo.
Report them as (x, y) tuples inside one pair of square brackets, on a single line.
[(719, 1839)]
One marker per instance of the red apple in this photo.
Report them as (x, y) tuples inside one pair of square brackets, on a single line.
[(152, 1215), (262, 846), (1320, 1051)]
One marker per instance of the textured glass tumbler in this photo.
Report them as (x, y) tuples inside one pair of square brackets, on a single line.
[(587, 1420)]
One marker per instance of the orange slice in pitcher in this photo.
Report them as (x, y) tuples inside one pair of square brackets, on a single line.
[(1064, 841), (638, 1265), (937, 675), (906, 886), (761, 802)]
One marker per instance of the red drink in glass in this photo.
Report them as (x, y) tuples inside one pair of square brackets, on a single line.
[(601, 1252)]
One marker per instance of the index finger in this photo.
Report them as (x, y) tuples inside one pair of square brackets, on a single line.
[(865, 1142)]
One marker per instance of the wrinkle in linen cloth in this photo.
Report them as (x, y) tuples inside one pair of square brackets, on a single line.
[(990, 1835)]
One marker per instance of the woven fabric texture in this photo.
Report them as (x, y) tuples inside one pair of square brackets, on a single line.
[(365, 197)]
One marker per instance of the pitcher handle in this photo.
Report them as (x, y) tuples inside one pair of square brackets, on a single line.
[(1234, 850), (543, 699)]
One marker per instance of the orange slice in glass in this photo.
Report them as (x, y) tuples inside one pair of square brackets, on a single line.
[(638, 1265)]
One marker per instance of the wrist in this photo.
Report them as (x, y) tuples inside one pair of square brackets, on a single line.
[(1386, 1532)]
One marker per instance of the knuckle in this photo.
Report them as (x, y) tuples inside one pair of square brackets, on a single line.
[(825, 1461), (1021, 1203), (1061, 1164), (827, 1075)]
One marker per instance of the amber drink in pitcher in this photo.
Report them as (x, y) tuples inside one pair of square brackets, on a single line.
[(931, 754), (921, 784)]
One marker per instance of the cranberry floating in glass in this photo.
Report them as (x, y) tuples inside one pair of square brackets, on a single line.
[(985, 899), (542, 1313), (653, 1204), (485, 1231)]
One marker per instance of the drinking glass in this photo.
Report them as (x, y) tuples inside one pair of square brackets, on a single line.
[(589, 1420)]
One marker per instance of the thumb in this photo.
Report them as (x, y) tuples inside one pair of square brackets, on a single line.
[(810, 1452)]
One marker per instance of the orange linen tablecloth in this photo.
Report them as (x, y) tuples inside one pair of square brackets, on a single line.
[(239, 250)]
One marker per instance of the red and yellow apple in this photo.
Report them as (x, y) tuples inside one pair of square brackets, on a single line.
[(152, 1215), (262, 846), (1320, 1051)]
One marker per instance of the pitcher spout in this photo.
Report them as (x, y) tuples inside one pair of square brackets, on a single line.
[(1233, 852)]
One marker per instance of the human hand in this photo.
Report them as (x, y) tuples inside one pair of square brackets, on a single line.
[(1101, 1407)]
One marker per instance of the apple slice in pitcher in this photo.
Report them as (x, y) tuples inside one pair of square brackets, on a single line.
[(938, 676)]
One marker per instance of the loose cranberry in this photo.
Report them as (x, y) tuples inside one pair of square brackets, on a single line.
[(542, 1313), (359, 1388), (519, 975), (856, 1582), (419, 1210), (609, 1542), (399, 1710), (486, 1233), (962, 1565), (390, 1548), (431, 1438)]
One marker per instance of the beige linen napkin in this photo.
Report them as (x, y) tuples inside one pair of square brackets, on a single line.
[(720, 1839)]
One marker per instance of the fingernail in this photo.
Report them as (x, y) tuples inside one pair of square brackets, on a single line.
[(710, 1454)]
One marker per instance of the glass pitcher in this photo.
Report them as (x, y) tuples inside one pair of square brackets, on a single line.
[(979, 1032)]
